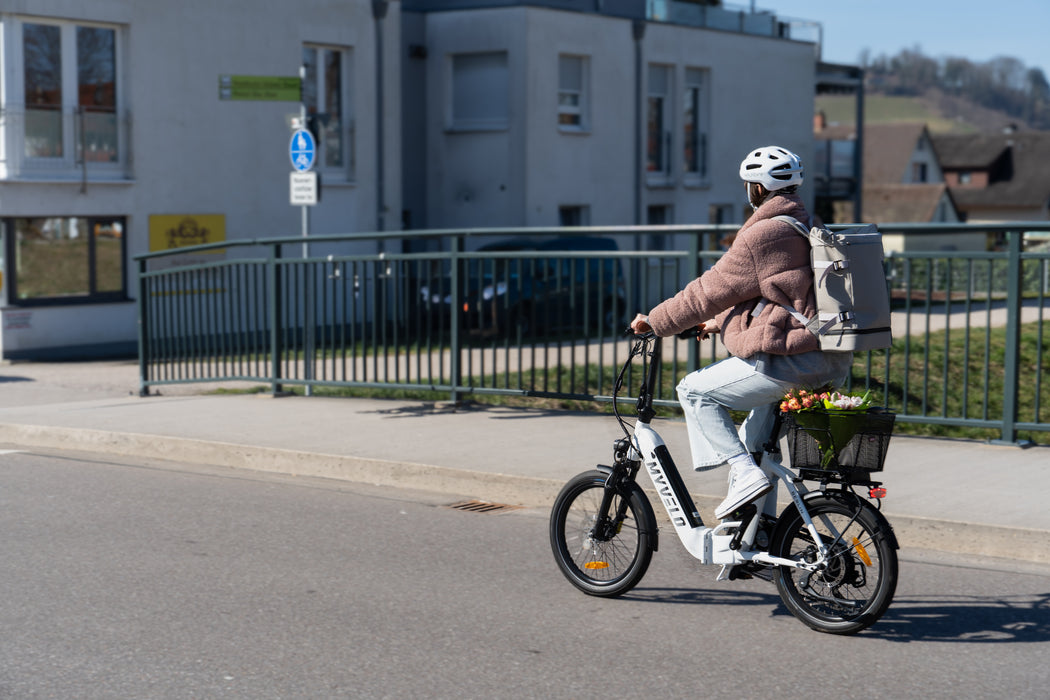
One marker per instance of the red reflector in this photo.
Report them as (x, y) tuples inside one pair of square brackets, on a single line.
[(877, 492)]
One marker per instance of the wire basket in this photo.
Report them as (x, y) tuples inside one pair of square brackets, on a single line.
[(865, 452)]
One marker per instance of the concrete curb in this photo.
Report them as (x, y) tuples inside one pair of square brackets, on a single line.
[(533, 492)]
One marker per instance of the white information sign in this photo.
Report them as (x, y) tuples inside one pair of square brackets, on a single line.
[(303, 188)]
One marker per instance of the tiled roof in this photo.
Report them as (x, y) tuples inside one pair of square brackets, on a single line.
[(887, 151), (1021, 172), (900, 203), (969, 151), (887, 147)]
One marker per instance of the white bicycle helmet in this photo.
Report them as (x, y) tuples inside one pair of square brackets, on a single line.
[(772, 167)]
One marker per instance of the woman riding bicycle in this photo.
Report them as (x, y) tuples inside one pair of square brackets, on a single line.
[(770, 351)]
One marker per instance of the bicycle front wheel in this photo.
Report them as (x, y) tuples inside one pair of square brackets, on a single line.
[(857, 586), (602, 554)]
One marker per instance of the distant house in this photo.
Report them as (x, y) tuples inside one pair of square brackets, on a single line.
[(902, 182), (998, 177), (899, 154), (920, 203)]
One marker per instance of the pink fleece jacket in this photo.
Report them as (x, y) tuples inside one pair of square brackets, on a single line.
[(769, 260)]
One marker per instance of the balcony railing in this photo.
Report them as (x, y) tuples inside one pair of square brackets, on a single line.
[(64, 144), (724, 17)]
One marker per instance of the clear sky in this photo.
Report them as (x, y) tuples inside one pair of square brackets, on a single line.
[(974, 29)]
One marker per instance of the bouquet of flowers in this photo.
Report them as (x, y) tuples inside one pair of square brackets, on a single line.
[(830, 417)]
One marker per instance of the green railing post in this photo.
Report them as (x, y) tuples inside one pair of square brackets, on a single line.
[(693, 268), (309, 327), (273, 279), (1012, 353), (142, 302), (454, 316)]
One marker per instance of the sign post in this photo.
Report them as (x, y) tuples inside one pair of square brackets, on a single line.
[(303, 191), (303, 151)]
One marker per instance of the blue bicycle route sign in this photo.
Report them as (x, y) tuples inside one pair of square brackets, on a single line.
[(302, 150)]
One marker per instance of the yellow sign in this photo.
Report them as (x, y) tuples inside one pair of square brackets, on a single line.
[(170, 231)]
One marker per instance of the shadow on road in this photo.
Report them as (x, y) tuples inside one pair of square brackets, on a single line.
[(980, 619), (974, 619)]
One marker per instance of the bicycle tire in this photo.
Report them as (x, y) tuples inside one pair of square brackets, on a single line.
[(857, 586), (609, 567)]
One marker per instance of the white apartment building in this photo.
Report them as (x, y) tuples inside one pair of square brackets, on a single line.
[(128, 126), (554, 113), (120, 134)]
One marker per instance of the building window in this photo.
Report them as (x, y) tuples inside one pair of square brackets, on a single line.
[(918, 172), (69, 84), (67, 258), (572, 93), (694, 124), (42, 51), (575, 215), (480, 98), (97, 93), (325, 91), (658, 132), (965, 177)]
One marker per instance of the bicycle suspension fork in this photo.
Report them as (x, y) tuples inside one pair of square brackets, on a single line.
[(619, 481)]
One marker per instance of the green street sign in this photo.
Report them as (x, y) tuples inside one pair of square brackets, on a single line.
[(263, 88)]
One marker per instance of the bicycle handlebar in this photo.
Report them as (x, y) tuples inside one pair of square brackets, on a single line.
[(700, 332)]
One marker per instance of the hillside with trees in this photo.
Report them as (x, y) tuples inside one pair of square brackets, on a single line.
[(949, 93)]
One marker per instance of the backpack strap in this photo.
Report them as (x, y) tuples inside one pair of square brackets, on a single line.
[(817, 325), (816, 235)]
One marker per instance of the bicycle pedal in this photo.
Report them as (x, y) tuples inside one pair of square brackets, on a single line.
[(747, 514)]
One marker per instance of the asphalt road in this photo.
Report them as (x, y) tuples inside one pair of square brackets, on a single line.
[(128, 579)]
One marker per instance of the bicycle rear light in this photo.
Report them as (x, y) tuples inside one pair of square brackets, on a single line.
[(877, 492)]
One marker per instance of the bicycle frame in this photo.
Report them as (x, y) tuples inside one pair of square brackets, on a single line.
[(723, 544)]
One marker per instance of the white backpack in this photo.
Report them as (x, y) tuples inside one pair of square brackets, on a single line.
[(853, 302)]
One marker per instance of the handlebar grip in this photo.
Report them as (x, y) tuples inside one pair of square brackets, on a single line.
[(698, 332)]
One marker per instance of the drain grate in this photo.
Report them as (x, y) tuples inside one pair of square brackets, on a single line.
[(482, 507)]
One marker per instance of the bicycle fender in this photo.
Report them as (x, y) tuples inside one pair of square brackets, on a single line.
[(847, 497)]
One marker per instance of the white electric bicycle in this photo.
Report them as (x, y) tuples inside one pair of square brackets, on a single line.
[(831, 552)]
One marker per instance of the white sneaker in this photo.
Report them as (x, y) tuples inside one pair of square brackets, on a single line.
[(745, 485)]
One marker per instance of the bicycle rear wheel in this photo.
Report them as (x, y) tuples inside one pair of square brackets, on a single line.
[(599, 553), (858, 584)]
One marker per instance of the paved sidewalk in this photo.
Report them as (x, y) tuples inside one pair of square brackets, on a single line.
[(949, 495)]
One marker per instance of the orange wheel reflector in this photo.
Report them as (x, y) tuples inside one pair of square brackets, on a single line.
[(596, 565), (861, 552)]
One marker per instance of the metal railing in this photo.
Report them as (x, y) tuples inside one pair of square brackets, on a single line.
[(520, 316), (731, 18), (66, 143)]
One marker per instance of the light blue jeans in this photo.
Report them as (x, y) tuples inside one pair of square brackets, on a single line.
[(754, 384)]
